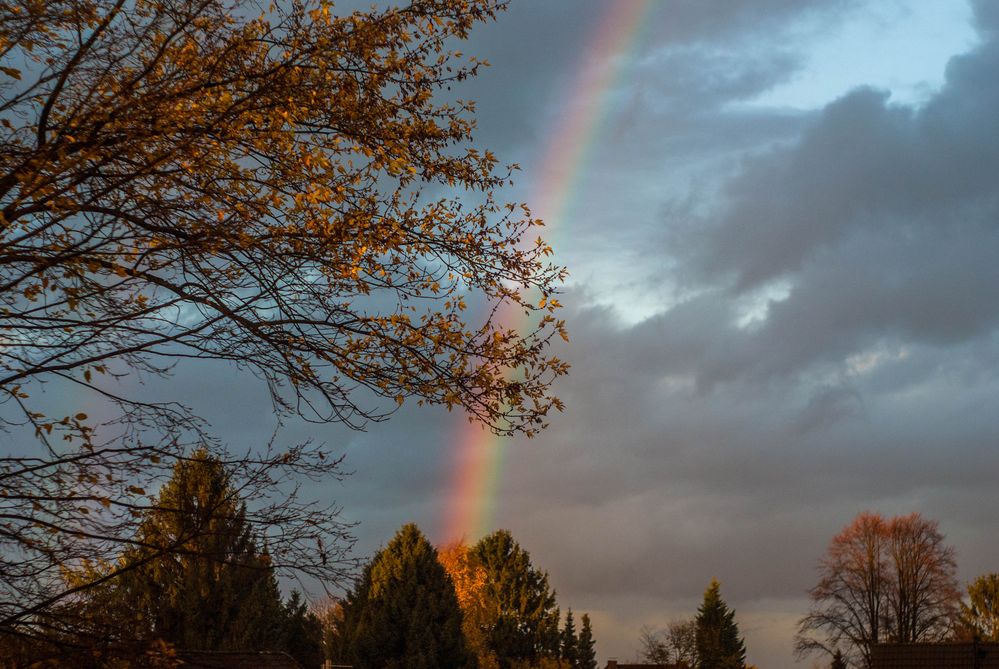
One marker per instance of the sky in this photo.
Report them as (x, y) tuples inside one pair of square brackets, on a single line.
[(782, 229)]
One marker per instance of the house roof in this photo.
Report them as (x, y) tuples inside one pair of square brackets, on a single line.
[(956, 655), (235, 660)]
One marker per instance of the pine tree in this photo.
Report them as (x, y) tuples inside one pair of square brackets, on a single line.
[(838, 661), (586, 654), (569, 643), (301, 634), (526, 628), (403, 612), (718, 643), (200, 581)]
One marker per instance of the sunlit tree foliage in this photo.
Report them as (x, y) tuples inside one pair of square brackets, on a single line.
[(479, 610), (281, 189), (979, 617)]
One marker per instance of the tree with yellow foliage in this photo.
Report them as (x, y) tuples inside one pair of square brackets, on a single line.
[(478, 609), (510, 614), (283, 191), (979, 617)]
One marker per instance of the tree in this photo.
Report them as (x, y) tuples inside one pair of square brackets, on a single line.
[(587, 658), (881, 580), (849, 602), (90, 526), (682, 638), (182, 181), (214, 588), (676, 644), (269, 175), (479, 612), (526, 627), (654, 649), (403, 612), (330, 615), (301, 632), (979, 617), (838, 661), (569, 642), (923, 595), (719, 645)]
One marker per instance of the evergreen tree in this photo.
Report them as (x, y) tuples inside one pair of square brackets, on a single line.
[(200, 581), (301, 636), (569, 643), (838, 661), (526, 627), (718, 643), (403, 612), (586, 654)]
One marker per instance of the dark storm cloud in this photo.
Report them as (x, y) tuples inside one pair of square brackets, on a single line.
[(677, 107), (690, 57), (986, 17), (832, 345), (698, 79), (648, 487), (704, 442), (881, 217)]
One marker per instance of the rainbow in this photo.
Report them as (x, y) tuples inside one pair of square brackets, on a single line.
[(478, 454)]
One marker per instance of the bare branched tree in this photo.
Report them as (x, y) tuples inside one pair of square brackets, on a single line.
[(278, 188), (674, 645), (881, 581), (923, 595)]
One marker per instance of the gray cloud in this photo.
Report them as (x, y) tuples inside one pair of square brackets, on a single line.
[(649, 487), (881, 218), (826, 337), (864, 164), (692, 57), (702, 443)]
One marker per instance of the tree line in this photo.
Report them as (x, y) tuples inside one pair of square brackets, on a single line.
[(882, 580), (214, 589), (483, 606), (710, 640)]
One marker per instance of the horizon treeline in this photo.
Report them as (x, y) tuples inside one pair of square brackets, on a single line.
[(195, 577), (484, 605), (709, 640), (881, 580)]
